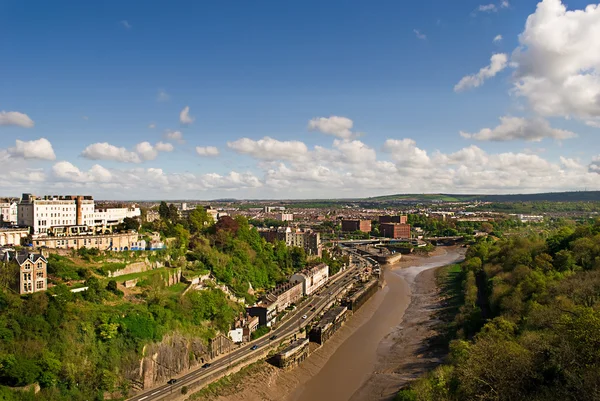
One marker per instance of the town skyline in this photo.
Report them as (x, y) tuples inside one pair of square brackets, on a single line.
[(308, 101)]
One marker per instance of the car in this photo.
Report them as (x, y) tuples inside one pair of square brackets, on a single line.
[(254, 347), (206, 365), (172, 381), (304, 317), (274, 336), (313, 309)]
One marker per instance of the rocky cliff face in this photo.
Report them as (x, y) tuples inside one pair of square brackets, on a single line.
[(161, 361)]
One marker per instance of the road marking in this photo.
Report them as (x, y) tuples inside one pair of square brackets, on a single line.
[(156, 392), (143, 398)]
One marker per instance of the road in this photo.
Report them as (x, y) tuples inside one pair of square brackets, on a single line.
[(289, 327)]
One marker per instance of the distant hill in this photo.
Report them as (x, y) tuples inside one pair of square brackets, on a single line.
[(580, 196)]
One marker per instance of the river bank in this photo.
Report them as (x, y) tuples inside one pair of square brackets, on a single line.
[(355, 361)]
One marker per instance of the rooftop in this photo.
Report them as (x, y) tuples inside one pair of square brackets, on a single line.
[(331, 316)]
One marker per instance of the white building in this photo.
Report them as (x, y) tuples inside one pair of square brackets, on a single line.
[(43, 213), (108, 217), (285, 217), (8, 211), (237, 335), (52, 210), (312, 278)]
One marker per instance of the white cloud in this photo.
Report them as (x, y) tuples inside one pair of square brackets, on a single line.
[(558, 65), (504, 4), (152, 125), (37, 149), (594, 166), (174, 136), (334, 125), (184, 116), (207, 151), (126, 24), (497, 39), (487, 8), (572, 164), (143, 151), (405, 152), (498, 62), (106, 151), (146, 151), (420, 35), (162, 96), (269, 149), (15, 118), (517, 128), (164, 147), (65, 171)]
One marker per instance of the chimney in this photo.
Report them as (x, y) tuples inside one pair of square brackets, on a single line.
[(79, 207)]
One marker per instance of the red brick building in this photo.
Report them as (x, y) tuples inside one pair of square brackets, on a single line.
[(395, 230), (392, 219), (356, 225)]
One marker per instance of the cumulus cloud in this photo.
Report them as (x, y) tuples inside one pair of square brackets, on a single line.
[(164, 147), (497, 39), (143, 151), (174, 136), (420, 35), (406, 153), (517, 128), (269, 149), (594, 166), (207, 151), (184, 116), (340, 127), (65, 171), (15, 118), (558, 66), (125, 24), (498, 62), (37, 149), (106, 151)]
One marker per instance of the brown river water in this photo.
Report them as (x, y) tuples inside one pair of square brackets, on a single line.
[(353, 362)]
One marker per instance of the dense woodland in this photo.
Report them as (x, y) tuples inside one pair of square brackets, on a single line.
[(76, 345), (529, 326)]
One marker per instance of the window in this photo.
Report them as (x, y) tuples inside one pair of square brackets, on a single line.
[(40, 275), (27, 266), (40, 265), (39, 285)]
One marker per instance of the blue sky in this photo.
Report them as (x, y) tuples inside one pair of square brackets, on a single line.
[(89, 73)]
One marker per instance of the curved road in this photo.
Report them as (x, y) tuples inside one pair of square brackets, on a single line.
[(289, 327)]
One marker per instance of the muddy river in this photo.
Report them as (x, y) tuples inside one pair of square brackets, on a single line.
[(353, 362)]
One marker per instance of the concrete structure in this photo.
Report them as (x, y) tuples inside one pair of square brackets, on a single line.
[(285, 217), (393, 219), (275, 302), (108, 242), (331, 322), (356, 225), (8, 211), (32, 270), (40, 214), (236, 335), (12, 236), (395, 230), (356, 299), (292, 355), (312, 278)]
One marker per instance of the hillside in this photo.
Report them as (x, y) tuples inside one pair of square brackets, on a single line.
[(578, 196)]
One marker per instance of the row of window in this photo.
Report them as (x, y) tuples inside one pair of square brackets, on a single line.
[(27, 276), (38, 285), (27, 266)]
